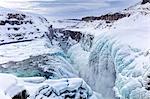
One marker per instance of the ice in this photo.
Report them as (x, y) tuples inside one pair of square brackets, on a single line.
[(41, 88), (112, 58), (52, 66), (25, 49), (119, 60), (65, 88)]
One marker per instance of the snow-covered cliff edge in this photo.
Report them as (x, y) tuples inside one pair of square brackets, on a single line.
[(111, 53), (118, 63)]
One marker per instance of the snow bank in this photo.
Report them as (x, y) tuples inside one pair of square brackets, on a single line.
[(22, 35), (9, 86), (37, 88), (64, 88), (120, 59)]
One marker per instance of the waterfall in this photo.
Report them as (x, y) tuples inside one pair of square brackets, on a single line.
[(102, 69), (117, 69)]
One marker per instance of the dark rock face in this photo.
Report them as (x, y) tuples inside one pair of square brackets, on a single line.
[(21, 95), (68, 38), (16, 16), (107, 17), (145, 1), (19, 19), (65, 38)]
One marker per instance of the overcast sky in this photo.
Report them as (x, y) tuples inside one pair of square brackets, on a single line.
[(68, 8)]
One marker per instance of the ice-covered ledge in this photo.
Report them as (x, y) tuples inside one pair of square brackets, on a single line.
[(118, 65), (122, 54), (9, 86), (12, 87)]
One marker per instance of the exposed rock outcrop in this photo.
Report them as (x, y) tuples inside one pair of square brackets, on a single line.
[(145, 1), (21, 95), (107, 17), (68, 38)]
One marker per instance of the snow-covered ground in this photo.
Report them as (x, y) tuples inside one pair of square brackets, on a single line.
[(38, 88), (17, 26), (28, 30), (112, 57), (26, 51), (64, 23), (23, 50), (119, 59)]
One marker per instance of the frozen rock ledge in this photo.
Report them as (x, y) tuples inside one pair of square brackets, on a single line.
[(12, 87)]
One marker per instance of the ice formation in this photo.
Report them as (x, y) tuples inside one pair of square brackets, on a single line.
[(37, 88), (111, 53), (119, 59)]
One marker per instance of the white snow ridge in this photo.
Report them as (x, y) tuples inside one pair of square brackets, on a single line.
[(103, 57)]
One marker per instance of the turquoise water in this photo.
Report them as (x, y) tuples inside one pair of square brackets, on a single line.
[(49, 66)]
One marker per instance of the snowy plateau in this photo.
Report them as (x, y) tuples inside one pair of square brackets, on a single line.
[(103, 57)]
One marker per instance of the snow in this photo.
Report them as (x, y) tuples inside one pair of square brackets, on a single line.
[(38, 88), (9, 86), (3, 96), (23, 50), (68, 23), (22, 35), (119, 59), (114, 64), (32, 54), (53, 66), (28, 27), (63, 88)]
